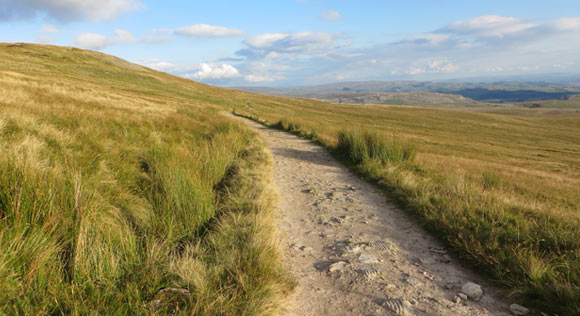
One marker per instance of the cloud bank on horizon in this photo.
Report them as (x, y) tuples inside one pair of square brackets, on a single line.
[(303, 42)]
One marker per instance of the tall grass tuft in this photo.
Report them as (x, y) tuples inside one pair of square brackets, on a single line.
[(360, 147)]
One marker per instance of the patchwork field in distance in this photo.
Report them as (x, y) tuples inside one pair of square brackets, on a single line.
[(502, 189)]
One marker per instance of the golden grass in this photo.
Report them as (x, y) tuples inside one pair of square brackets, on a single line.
[(119, 170), (116, 182), (501, 190)]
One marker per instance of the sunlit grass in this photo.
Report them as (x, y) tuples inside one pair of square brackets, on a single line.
[(501, 190), (117, 182)]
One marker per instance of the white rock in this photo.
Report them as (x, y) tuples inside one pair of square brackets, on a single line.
[(366, 258), (337, 266), (462, 296), (519, 310), (472, 290)]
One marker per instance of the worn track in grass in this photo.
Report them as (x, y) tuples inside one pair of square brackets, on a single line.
[(355, 253)]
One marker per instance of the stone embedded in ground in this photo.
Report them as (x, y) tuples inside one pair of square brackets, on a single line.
[(337, 266), (382, 245), (306, 248), (472, 290), (367, 258), (396, 306), (352, 248), (337, 220), (462, 296), (518, 310), (369, 273), (439, 251)]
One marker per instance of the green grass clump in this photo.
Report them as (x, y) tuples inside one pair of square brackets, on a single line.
[(360, 146), (490, 180)]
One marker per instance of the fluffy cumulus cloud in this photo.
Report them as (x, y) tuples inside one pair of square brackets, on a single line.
[(67, 10), (209, 71), (208, 31), (273, 45), (99, 42), (166, 66), (330, 15), (123, 37), (91, 41)]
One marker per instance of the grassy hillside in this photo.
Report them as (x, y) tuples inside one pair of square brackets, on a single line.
[(118, 182), (502, 190), (123, 192)]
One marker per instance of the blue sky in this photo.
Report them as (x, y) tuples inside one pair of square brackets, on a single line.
[(296, 42)]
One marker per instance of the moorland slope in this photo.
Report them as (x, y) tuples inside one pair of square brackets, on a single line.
[(117, 182)]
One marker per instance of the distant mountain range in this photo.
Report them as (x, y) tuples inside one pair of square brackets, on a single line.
[(427, 92)]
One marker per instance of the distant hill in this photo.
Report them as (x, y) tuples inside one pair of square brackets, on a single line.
[(396, 98), (381, 91)]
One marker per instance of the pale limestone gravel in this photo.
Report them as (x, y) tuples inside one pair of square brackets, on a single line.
[(355, 253)]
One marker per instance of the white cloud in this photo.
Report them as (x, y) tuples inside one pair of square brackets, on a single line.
[(495, 69), (99, 41), (416, 71), (488, 45), (276, 45), (214, 71), (123, 37), (208, 31), (91, 41), (68, 10), (259, 78), (265, 40), (330, 15), (49, 28), (488, 25), (429, 38), (566, 24), (442, 65), (165, 66), (162, 66), (431, 66)]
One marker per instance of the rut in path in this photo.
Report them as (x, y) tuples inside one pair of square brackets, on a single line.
[(354, 253)]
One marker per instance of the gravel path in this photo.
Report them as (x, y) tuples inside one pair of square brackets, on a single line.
[(355, 253)]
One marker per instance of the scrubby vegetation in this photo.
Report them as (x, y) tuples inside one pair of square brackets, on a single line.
[(123, 192), (500, 190)]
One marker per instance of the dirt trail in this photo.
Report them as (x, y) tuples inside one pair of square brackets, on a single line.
[(355, 253)]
